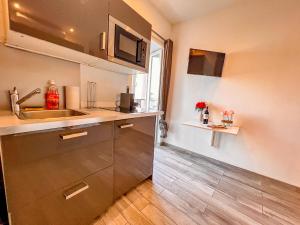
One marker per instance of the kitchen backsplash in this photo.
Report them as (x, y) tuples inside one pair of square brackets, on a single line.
[(28, 71), (108, 85)]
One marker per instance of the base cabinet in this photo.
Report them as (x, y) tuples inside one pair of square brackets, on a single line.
[(70, 176), (59, 176), (133, 153)]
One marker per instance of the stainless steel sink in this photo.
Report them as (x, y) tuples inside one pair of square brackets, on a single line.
[(45, 114)]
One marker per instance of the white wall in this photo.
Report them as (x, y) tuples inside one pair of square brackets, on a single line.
[(108, 84), (28, 71), (260, 82), (150, 13)]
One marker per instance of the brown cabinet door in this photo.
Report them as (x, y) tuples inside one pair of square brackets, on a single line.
[(75, 24), (124, 13), (77, 204), (37, 164), (133, 152)]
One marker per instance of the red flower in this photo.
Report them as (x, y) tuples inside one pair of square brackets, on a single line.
[(200, 105)]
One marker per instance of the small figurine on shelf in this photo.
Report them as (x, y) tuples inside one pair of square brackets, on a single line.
[(227, 118), (200, 106)]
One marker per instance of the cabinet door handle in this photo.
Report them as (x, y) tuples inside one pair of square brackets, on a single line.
[(126, 125), (103, 41), (74, 135), (75, 190)]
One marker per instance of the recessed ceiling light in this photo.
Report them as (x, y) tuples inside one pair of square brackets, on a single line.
[(17, 5), (71, 30)]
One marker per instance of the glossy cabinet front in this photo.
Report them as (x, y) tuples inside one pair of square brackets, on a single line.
[(42, 165), (133, 153), (82, 209), (70, 176), (125, 14), (76, 24)]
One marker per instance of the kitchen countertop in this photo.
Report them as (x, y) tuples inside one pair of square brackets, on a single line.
[(11, 124)]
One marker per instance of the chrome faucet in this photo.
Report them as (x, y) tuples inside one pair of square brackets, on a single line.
[(16, 104)]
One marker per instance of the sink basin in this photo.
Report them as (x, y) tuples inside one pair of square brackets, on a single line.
[(45, 114)]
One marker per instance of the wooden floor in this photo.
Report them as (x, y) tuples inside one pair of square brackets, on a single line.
[(189, 189)]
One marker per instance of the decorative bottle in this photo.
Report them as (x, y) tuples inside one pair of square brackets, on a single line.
[(52, 96), (206, 116)]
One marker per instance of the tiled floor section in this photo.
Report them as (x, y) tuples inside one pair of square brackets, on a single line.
[(188, 189)]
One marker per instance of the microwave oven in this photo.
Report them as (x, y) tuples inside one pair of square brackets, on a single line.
[(127, 47)]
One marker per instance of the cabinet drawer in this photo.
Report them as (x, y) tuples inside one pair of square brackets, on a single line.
[(36, 164), (94, 196)]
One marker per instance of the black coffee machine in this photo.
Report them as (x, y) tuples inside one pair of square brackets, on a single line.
[(127, 103)]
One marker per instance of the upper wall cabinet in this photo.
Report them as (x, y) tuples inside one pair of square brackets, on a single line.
[(122, 12), (74, 30), (80, 25)]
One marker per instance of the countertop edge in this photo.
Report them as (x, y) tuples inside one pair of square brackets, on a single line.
[(39, 125)]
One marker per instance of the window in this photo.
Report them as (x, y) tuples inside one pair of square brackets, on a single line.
[(147, 86)]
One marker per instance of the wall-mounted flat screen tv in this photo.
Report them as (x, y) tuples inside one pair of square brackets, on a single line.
[(207, 63)]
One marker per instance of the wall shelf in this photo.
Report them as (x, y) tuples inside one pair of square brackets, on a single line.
[(229, 130)]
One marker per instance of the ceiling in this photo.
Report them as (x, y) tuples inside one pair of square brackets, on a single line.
[(181, 10)]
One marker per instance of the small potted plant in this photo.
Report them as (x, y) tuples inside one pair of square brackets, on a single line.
[(200, 106)]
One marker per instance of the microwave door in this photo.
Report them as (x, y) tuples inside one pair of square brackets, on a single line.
[(125, 45)]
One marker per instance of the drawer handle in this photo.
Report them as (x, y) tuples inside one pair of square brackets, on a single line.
[(126, 125), (74, 135), (103, 41), (75, 190)]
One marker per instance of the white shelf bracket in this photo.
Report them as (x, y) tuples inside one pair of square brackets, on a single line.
[(213, 138)]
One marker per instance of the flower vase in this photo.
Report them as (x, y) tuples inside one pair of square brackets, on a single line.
[(201, 116)]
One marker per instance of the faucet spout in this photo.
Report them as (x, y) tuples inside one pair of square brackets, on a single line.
[(28, 96)]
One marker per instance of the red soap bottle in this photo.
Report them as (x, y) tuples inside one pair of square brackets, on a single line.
[(52, 97)]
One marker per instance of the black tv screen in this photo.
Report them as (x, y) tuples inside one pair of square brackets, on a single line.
[(207, 63)]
